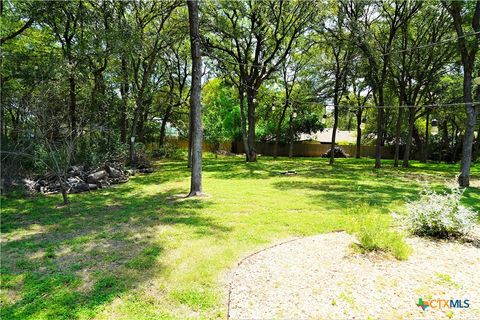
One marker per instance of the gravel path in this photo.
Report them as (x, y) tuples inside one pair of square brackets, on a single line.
[(320, 277)]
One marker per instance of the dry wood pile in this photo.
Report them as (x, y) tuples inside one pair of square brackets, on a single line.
[(80, 180)]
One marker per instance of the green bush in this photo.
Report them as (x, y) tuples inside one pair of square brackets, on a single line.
[(95, 149), (438, 215), (169, 150), (374, 234)]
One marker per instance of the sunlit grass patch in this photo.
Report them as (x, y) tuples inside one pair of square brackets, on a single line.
[(129, 252)]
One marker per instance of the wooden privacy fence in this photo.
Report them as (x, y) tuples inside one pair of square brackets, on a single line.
[(312, 149), (300, 149)]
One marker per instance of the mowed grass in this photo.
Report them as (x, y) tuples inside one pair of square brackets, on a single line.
[(136, 252)]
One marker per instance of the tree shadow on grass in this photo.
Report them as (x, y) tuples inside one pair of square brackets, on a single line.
[(81, 257), (266, 167), (471, 198), (341, 195)]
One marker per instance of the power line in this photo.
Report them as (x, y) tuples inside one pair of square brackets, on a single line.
[(432, 44), (436, 105)]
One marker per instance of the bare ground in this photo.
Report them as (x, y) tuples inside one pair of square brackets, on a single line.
[(321, 277)]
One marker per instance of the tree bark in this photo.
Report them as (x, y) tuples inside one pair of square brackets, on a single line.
[(290, 149), (380, 120), (63, 189), (418, 141), (279, 128), (426, 146), (195, 99), (397, 136), (124, 91), (251, 154), (166, 116), (467, 148), (241, 93), (334, 133), (359, 134), (64, 196), (18, 32), (408, 145), (468, 54)]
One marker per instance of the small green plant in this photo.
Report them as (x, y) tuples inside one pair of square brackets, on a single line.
[(373, 234), (169, 151), (438, 214)]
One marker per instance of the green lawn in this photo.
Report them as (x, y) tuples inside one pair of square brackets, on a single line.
[(132, 252)]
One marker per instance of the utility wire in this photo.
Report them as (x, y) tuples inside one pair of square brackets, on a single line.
[(435, 105), (432, 44)]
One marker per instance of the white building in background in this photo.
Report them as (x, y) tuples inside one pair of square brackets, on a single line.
[(325, 136), (170, 130)]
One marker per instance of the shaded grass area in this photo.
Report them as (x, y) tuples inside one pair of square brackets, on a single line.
[(134, 251)]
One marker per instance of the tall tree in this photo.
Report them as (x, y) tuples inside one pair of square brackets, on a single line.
[(65, 23), (375, 26), (150, 37), (254, 38), (196, 134), (341, 51), (463, 13), (419, 68), (291, 68), (177, 74)]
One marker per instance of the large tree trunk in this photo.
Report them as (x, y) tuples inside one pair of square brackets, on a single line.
[(195, 99), (426, 146), (279, 128), (408, 145), (124, 88), (291, 137), (243, 119), (141, 125), (163, 127), (359, 134), (251, 154), (467, 149), (468, 53), (418, 141), (397, 137), (334, 133), (380, 120), (471, 110)]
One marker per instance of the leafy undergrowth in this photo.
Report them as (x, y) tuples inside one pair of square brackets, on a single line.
[(134, 252), (375, 235)]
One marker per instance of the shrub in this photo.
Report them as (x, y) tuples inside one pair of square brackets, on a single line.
[(169, 151), (438, 214), (142, 159), (373, 234)]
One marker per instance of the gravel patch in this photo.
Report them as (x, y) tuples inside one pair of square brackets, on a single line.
[(321, 277)]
